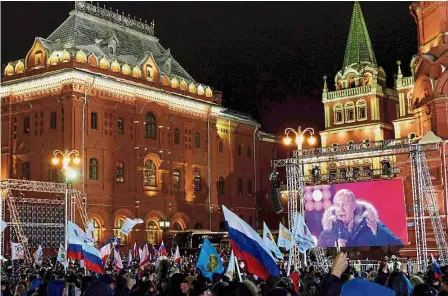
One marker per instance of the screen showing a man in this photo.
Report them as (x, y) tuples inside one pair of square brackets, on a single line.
[(351, 223)]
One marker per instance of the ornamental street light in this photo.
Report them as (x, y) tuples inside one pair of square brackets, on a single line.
[(300, 136), (67, 158)]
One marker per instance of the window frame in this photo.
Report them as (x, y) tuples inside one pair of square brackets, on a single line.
[(249, 187), (240, 150), (150, 174), (94, 120), (349, 108), (119, 172), (197, 140), (176, 179), (361, 104), (26, 125), (197, 181), (120, 125), (176, 136), (26, 170), (53, 120), (94, 169), (240, 187), (221, 186), (150, 126), (338, 109)]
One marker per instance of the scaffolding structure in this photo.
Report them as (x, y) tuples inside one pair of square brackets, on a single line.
[(423, 191), (35, 220)]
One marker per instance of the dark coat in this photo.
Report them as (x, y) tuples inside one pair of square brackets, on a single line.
[(331, 286)]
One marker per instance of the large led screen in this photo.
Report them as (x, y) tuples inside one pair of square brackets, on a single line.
[(357, 214)]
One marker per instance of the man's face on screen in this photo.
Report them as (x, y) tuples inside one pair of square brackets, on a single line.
[(345, 206)]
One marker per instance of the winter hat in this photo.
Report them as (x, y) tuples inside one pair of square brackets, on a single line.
[(357, 287)]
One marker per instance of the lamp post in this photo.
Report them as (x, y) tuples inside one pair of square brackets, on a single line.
[(292, 204), (164, 224), (67, 158)]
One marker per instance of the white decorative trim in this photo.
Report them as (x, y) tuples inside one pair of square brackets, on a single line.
[(55, 80)]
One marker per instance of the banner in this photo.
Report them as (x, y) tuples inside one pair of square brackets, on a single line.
[(209, 261), (37, 255), (284, 237), (357, 214), (302, 235), (17, 252), (129, 224), (62, 256), (269, 241)]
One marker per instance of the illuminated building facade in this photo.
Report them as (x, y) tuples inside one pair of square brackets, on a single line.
[(155, 143), (363, 110)]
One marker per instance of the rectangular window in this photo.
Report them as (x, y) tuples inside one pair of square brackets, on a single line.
[(249, 187)]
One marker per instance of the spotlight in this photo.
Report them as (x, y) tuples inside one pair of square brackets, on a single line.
[(315, 172), (386, 167), (274, 193)]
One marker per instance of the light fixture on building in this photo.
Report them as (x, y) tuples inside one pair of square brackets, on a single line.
[(164, 224)]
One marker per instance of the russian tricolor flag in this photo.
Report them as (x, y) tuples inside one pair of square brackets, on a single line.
[(437, 271), (74, 249), (162, 249), (92, 259), (249, 246)]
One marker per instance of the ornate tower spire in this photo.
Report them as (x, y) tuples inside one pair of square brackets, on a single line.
[(359, 49), (399, 74), (325, 84)]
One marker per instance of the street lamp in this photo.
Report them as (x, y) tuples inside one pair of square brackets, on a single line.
[(300, 136), (70, 174), (164, 224)]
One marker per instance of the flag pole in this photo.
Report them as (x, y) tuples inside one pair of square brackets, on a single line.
[(237, 268)]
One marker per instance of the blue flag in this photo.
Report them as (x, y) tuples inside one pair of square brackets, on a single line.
[(209, 261)]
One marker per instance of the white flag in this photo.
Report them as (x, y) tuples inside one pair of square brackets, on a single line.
[(17, 251), (129, 224), (3, 225), (177, 256), (62, 256), (37, 255), (76, 232), (231, 267), (284, 237), (269, 241)]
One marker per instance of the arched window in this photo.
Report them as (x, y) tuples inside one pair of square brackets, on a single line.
[(240, 150), (197, 181), (151, 126), (176, 136), (93, 120), (351, 82), (334, 147), (221, 186), (361, 110), (38, 58), (26, 174), (338, 113), (26, 125), (198, 225), (249, 187), (93, 169), (177, 226), (240, 187), (366, 143), (197, 140), (350, 145), (249, 152), (96, 230), (349, 112), (150, 174), (153, 232), (120, 126), (119, 175), (176, 179), (53, 120), (118, 224)]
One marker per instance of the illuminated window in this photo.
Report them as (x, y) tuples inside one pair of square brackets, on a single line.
[(148, 72), (118, 224), (26, 172), (26, 125), (120, 126), (153, 233), (176, 179), (150, 126), (351, 82), (197, 181), (176, 136), (220, 147), (93, 169), (349, 112), (221, 186), (338, 110), (150, 174), (96, 230), (361, 110), (240, 150), (93, 120), (38, 58), (249, 152), (249, 187), (119, 175), (197, 140), (53, 120), (240, 187)]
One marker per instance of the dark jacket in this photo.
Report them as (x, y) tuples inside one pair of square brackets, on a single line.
[(331, 286)]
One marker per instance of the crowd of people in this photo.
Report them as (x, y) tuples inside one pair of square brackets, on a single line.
[(165, 278)]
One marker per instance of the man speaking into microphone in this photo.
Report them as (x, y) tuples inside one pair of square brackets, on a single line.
[(352, 223)]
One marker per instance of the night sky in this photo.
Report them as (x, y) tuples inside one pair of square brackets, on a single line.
[(267, 57)]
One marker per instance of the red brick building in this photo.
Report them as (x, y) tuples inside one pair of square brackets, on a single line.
[(362, 109), (155, 143)]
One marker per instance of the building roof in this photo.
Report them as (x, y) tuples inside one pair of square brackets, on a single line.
[(93, 29), (359, 49)]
